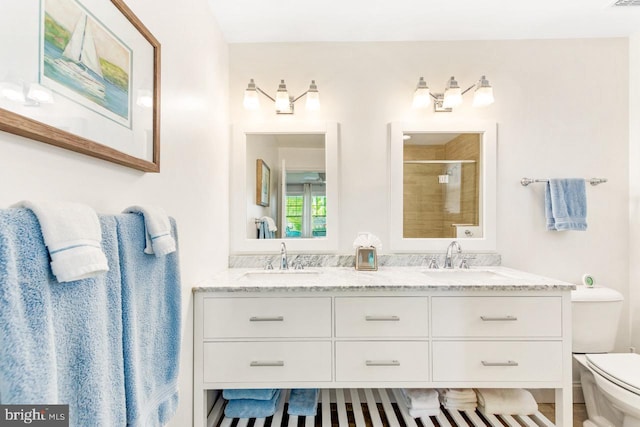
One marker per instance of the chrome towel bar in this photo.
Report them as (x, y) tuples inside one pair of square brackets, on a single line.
[(592, 181)]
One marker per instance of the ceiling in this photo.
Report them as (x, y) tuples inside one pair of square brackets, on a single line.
[(251, 21)]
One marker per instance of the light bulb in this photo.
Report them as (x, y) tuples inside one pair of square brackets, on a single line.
[(483, 94), (313, 97), (452, 94), (283, 104), (422, 95), (251, 101)]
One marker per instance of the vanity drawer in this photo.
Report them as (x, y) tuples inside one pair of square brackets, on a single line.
[(267, 317), (382, 361), (274, 361), (496, 316), (497, 361), (382, 317)]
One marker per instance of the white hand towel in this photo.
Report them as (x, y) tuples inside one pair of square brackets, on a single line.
[(72, 234), (270, 223), (157, 230), (421, 398), (419, 413), (507, 401)]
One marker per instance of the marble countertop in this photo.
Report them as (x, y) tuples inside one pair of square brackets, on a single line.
[(385, 279)]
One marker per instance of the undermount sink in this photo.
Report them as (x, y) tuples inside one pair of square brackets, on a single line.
[(463, 274), (280, 274)]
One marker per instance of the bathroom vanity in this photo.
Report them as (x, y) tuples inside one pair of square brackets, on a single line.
[(337, 328)]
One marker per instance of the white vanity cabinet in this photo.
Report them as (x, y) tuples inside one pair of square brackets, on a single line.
[(418, 336)]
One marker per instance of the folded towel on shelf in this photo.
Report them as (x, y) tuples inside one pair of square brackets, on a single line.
[(421, 398), (59, 344), (303, 402), (251, 408), (566, 204), (419, 413), (72, 235), (249, 393), (459, 399), (158, 239), (507, 401), (151, 317)]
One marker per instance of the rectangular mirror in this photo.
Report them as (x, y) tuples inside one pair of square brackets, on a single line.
[(298, 202), (442, 186)]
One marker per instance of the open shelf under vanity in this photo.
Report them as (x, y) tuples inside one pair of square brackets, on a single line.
[(369, 408)]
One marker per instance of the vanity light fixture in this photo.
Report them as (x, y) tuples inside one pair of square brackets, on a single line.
[(452, 96), (283, 102)]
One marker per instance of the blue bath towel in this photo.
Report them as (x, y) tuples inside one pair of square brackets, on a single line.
[(566, 204), (303, 401), (249, 393), (151, 325), (59, 343), (251, 408)]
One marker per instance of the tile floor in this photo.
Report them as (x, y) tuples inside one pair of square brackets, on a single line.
[(579, 412)]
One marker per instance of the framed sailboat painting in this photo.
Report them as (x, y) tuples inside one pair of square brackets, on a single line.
[(86, 78)]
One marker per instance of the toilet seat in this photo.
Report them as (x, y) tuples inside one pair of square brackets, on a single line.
[(622, 369)]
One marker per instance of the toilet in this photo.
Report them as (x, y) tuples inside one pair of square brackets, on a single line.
[(610, 381)]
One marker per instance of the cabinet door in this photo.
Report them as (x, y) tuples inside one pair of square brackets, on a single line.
[(497, 361), (267, 317), (496, 316), (382, 317)]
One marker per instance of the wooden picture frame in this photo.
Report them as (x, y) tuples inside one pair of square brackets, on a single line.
[(366, 259), (83, 113), (263, 183)]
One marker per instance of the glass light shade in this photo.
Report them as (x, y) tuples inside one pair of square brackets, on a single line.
[(12, 92), (40, 94), (313, 101), (452, 97), (283, 104), (421, 97), (251, 101), (483, 96)]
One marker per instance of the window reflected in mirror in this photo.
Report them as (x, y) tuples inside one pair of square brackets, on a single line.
[(441, 185), (298, 205)]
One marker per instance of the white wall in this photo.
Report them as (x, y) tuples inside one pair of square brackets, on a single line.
[(634, 189), (562, 109), (193, 183)]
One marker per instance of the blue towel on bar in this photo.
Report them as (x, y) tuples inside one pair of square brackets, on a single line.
[(303, 401), (151, 316), (249, 393), (251, 408), (59, 343), (566, 204)]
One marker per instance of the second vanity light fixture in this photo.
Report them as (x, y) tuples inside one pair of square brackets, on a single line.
[(284, 103), (452, 96)]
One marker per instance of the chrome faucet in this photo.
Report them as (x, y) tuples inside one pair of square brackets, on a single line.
[(284, 263), (448, 263)]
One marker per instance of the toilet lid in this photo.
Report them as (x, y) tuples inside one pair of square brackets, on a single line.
[(620, 368)]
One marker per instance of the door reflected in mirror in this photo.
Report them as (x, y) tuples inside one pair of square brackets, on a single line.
[(441, 185), (298, 205)]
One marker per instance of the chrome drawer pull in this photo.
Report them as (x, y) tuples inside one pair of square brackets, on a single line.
[(266, 319), (382, 363), (260, 363), (507, 363), (382, 318), (497, 319)]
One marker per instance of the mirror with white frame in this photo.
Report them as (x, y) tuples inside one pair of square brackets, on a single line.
[(443, 179), (284, 185)]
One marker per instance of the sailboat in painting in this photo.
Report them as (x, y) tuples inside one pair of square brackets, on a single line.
[(80, 56)]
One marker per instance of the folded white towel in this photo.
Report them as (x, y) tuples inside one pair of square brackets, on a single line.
[(461, 406), (421, 398), (270, 223), (72, 234), (508, 401), (157, 230), (460, 393)]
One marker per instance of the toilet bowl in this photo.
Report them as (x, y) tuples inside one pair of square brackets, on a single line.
[(610, 381)]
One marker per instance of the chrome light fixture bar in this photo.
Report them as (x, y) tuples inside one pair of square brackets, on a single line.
[(284, 103), (452, 96)]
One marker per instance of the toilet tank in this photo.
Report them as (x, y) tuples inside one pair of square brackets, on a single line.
[(595, 314)]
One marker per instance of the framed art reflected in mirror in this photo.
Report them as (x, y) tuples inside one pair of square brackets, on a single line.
[(263, 183)]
